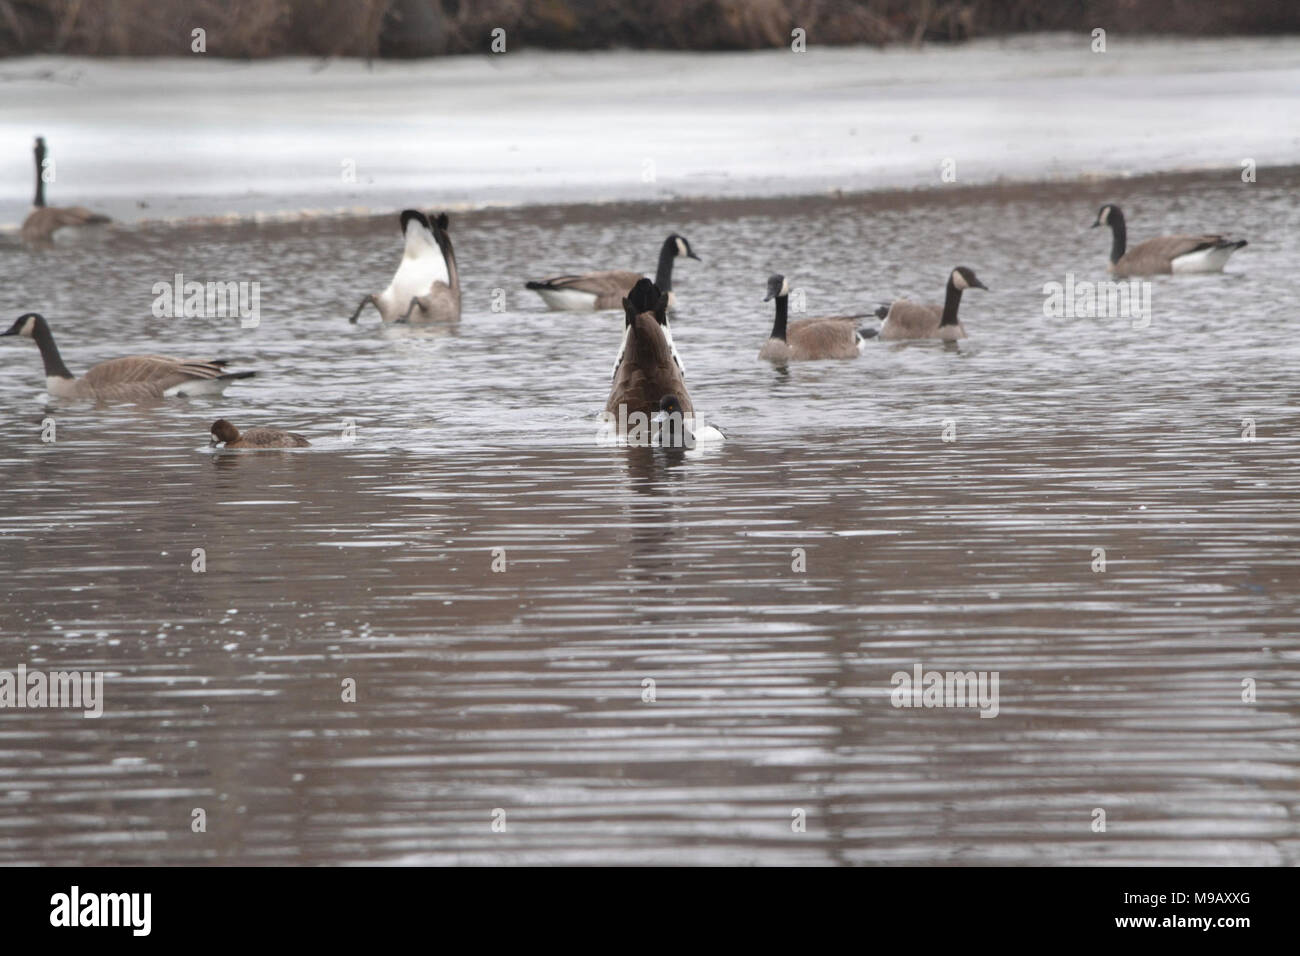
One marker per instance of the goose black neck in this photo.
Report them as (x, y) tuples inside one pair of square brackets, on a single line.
[(54, 367), (664, 274), (950, 303), (1119, 234), (39, 202), (782, 312)]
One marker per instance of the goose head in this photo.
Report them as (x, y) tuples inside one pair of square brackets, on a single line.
[(777, 286), (681, 247), (1105, 213), (963, 278), (26, 325), (223, 431)]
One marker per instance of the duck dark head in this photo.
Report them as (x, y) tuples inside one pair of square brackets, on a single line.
[(223, 431), (670, 421), (963, 278), (669, 405), (776, 288)]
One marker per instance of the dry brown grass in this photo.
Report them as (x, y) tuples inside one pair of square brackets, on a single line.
[(258, 28)]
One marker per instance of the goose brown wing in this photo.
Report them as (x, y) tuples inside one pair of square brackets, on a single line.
[(647, 372), (824, 338), (159, 370)]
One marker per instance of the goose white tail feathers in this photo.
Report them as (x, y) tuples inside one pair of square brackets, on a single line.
[(426, 286)]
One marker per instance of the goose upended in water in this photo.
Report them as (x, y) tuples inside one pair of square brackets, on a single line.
[(598, 291), (224, 433), (43, 221), (135, 378), (835, 337), (426, 286), (647, 368), (1164, 254), (914, 320)]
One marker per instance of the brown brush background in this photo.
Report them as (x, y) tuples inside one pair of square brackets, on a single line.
[(407, 28)]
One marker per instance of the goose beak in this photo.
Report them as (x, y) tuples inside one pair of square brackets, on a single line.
[(1095, 225), (692, 255), (768, 297), (981, 285)]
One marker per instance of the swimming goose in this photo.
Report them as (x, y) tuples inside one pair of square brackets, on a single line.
[(426, 286), (1164, 254), (43, 221), (675, 429), (646, 369), (136, 378), (912, 320), (597, 291), (232, 437), (834, 337)]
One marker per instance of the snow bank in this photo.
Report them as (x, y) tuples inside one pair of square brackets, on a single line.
[(201, 137)]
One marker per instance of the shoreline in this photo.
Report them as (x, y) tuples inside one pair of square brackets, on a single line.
[(706, 207)]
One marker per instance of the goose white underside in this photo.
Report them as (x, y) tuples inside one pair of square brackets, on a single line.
[(422, 265), (704, 435), (200, 386), (1203, 260), (575, 300), (568, 300)]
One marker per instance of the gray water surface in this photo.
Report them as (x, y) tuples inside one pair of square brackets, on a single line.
[(522, 690)]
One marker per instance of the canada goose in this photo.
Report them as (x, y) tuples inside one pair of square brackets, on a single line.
[(1164, 254), (807, 339), (43, 221), (646, 369), (912, 320), (136, 378), (597, 291), (426, 282), (675, 429), (232, 437)]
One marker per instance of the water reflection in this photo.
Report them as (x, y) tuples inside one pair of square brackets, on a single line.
[(500, 589)]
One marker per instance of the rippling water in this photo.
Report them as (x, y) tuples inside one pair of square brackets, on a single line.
[(522, 690)]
